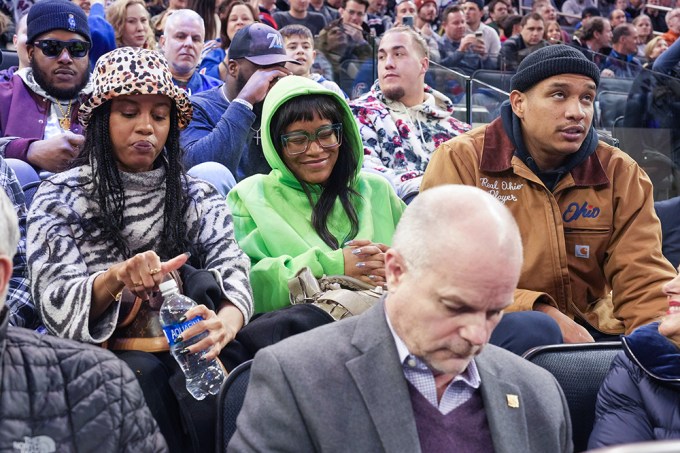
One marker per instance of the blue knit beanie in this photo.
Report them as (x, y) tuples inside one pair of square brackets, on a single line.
[(48, 15), (550, 61)]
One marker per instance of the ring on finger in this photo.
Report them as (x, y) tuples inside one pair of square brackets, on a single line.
[(137, 283), (154, 271)]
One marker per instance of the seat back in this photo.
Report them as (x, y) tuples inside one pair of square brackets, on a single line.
[(620, 84), (580, 370), (497, 79), (231, 398), (9, 59), (610, 105)]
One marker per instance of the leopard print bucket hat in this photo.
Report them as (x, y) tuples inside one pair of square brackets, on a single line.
[(130, 71)]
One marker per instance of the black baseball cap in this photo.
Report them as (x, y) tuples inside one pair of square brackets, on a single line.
[(260, 44)]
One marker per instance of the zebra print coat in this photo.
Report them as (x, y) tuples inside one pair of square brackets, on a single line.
[(63, 265)]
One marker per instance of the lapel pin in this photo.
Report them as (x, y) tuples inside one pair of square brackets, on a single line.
[(513, 400)]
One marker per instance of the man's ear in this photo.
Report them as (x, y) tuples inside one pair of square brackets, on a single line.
[(395, 268), (161, 43), (29, 52), (232, 68), (5, 274), (424, 65), (518, 103)]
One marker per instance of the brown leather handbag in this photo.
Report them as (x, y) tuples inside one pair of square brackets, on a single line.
[(139, 326)]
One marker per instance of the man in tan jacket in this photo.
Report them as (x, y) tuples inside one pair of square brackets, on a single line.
[(592, 242)]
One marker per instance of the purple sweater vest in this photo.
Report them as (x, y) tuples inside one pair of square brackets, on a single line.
[(464, 429)]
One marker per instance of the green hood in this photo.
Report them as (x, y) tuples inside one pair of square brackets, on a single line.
[(290, 87)]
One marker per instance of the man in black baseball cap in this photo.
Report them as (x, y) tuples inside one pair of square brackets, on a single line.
[(585, 209), (225, 129), (39, 105)]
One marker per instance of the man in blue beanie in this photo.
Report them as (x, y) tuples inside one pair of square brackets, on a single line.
[(39, 105), (592, 243)]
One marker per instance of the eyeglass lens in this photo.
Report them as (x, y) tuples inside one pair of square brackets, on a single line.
[(326, 136), (54, 47)]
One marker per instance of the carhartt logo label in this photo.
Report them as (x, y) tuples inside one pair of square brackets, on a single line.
[(575, 211), (275, 39), (582, 251), (38, 444)]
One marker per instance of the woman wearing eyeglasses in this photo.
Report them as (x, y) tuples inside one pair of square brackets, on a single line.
[(315, 208), (121, 220)]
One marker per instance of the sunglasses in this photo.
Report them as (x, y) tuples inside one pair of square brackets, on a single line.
[(53, 47)]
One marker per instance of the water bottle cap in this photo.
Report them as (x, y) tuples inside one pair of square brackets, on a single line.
[(168, 285)]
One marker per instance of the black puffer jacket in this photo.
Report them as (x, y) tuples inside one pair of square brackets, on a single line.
[(639, 400), (63, 396)]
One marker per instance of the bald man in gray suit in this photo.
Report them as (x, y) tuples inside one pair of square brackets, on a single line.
[(415, 372)]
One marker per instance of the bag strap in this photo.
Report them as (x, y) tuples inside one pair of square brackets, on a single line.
[(354, 302)]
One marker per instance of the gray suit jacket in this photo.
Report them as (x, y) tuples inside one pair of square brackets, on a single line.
[(341, 388)]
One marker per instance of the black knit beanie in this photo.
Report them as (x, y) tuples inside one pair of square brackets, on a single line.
[(550, 61), (48, 15)]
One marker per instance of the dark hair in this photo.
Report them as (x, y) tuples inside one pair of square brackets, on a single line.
[(492, 5), (590, 11), (509, 23), (361, 2), (297, 30), (339, 184), (226, 41), (206, 9), (451, 9), (590, 26), (622, 30), (108, 190), (533, 16)]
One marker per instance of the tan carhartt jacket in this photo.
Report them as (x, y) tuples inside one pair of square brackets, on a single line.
[(592, 247)]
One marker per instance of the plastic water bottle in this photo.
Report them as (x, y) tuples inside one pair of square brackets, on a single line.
[(202, 377)]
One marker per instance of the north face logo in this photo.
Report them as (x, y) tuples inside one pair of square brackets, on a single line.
[(37, 444)]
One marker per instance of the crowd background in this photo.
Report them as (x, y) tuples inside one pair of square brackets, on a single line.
[(464, 57)]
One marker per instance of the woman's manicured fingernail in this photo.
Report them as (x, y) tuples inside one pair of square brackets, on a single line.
[(182, 319), (180, 339), (356, 252), (184, 351), (362, 264), (372, 277)]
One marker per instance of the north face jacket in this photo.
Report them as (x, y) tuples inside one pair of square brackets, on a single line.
[(61, 396), (592, 246)]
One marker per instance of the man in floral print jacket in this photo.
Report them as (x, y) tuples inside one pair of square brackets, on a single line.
[(401, 119)]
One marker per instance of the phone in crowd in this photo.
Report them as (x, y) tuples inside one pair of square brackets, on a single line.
[(478, 34), (408, 21)]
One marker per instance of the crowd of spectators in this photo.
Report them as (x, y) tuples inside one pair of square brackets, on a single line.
[(262, 137)]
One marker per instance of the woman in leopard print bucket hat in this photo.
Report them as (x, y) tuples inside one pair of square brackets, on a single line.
[(105, 233)]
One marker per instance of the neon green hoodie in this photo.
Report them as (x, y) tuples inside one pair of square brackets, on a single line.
[(272, 215)]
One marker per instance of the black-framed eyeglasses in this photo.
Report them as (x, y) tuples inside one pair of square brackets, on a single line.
[(53, 47), (326, 136)]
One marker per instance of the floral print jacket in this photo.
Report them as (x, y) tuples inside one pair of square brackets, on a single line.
[(399, 141)]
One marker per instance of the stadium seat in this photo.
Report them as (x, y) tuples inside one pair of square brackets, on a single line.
[(610, 105), (8, 59), (620, 84), (498, 79), (580, 370), (231, 398)]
